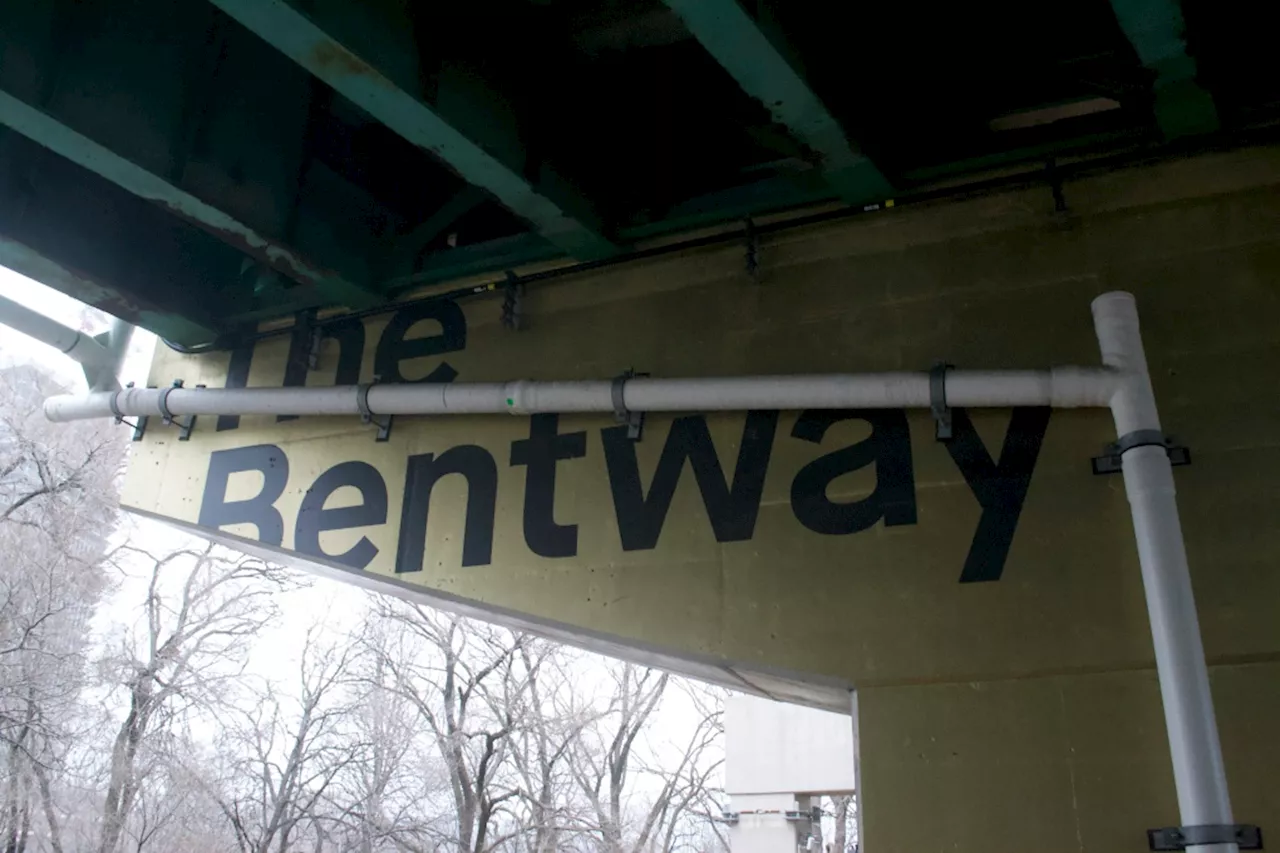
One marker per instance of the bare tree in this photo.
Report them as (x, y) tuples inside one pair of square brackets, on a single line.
[(173, 811), (381, 800), (551, 816), (842, 816), (447, 668), (421, 732), (286, 751), (695, 802), (609, 762), (200, 608), (57, 502)]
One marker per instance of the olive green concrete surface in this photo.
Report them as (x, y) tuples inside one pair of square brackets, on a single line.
[(1009, 715)]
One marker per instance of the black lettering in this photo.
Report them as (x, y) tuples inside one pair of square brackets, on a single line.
[(237, 376), (259, 510), (350, 337), (540, 451), (423, 473), (732, 510), (1000, 489), (393, 348), (888, 446), (314, 519)]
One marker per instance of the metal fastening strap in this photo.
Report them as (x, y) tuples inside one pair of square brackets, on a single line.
[(163, 403), (938, 400), (633, 420), (366, 414), (139, 424), (1110, 460), (1245, 836), (167, 416), (362, 402), (114, 402), (620, 412)]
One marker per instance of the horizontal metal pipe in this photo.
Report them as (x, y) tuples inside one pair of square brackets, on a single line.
[(1064, 387)]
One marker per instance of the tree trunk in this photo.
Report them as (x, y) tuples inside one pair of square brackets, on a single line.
[(840, 838), (122, 785), (50, 816)]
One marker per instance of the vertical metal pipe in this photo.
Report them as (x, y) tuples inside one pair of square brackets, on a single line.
[(1198, 770), (108, 374)]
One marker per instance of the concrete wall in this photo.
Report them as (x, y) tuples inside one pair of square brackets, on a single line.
[(1011, 714), (762, 825)]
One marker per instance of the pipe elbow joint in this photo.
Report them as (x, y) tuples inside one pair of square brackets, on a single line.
[(1076, 387)]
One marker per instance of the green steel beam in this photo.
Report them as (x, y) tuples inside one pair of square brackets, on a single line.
[(558, 216), (406, 248), (491, 256), (50, 133), (1156, 30), (739, 44)]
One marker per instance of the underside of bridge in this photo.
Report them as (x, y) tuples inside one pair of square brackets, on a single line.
[(197, 167), (375, 194)]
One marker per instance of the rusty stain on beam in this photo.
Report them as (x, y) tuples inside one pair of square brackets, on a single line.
[(84, 152)]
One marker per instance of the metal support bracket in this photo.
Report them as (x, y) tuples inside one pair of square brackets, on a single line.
[(1245, 836), (367, 416), (1110, 460), (938, 400), (513, 303), (139, 424), (633, 420), (167, 417), (310, 335), (1055, 184), (752, 240)]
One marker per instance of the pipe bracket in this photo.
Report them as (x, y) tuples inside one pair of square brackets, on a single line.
[(1245, 836), (366, 414), (633, 420), (167, 417), (139, 424), (1110, 460), (938, 400), (162, 403), (752, 241), (513, 303)]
